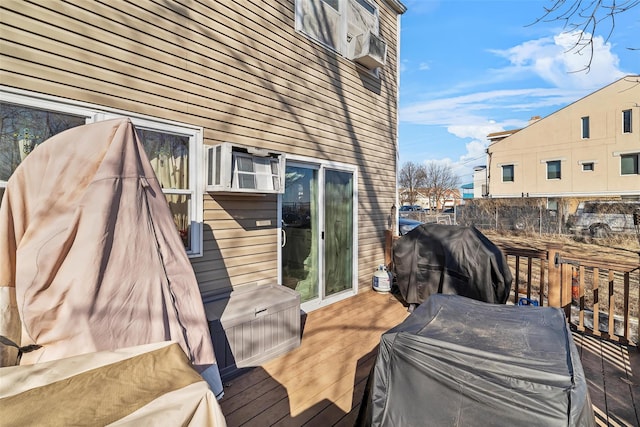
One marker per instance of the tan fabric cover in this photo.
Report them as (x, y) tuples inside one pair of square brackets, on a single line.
[(9, 325), (144, 385), (89, 243)]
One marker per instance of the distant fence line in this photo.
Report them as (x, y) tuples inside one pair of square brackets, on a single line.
[(531, 215), (498, 216), (527, 218)]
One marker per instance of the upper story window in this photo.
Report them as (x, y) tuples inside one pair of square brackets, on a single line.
[(588, 166), (554, 169), (629, 164), (28, 121), (337, 23), (626, 121), (507, 173), (585, 127)]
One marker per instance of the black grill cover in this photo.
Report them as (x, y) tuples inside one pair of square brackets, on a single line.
[(459, 362), (450, 259)]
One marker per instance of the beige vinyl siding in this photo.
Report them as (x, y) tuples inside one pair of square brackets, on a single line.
[(241, 72)]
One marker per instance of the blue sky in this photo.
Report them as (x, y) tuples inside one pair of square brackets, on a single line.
[(472, 67)]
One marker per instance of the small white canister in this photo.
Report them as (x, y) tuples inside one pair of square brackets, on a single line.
[(382, 279)]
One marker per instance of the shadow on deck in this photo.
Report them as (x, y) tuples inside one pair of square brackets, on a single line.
[(321, 383)]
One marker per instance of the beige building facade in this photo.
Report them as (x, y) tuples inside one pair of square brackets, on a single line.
[(589, 149), (310, 83)]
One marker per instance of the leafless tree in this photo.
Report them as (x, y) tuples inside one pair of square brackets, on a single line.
[(440, 182), (412, 176), (587, 17)]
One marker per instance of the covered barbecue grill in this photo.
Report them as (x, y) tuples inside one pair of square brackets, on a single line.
[(450, 259), (459, 362)]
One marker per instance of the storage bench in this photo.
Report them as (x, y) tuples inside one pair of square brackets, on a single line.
[(251, 326)]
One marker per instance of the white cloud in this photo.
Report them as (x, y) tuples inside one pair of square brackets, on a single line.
[(476, 109), (424, 66), (476, 131), (561, 61)]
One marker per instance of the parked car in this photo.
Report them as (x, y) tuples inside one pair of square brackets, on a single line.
[(405, 225), (601, 218), (410, 208)]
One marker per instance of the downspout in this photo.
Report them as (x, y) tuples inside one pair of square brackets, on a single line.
[(488, 174), (400, 9)]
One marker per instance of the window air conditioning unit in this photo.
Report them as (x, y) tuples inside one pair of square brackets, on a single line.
[(236, 168), (369, 50)]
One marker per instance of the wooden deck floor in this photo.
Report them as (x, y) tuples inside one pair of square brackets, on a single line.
[(321, 383)]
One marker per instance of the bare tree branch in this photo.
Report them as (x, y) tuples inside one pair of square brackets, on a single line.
[(440, 182), (586, 17), (412, 176)]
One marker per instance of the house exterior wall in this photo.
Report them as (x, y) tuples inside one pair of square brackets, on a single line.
[(241, 73), (559, 137), (479, 181)]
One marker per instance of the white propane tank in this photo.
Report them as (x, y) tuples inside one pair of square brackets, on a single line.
[(382, 279)]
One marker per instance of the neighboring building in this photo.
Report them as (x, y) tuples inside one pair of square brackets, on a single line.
[(467, 191), (480, 182), (589, 149), (426, 201), (314, 80)]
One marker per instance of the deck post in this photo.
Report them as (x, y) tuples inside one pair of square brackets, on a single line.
[(555, 277), (388, 245)]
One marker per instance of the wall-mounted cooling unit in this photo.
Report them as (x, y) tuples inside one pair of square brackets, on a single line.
[(369, 50), (236, 168)]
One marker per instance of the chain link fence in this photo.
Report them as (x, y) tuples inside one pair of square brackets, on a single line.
[(538, 215), (501, 217)]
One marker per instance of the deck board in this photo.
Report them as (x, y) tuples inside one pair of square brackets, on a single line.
[(321, 383), (611, 370)]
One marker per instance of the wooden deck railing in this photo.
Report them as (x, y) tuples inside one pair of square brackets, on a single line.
[(600, 298)]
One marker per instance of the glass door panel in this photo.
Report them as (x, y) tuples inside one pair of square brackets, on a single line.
[(300, 259), (338, 231)]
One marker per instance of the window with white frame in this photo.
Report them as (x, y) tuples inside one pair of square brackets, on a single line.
[(337, 23), (626, 121), (507, 173), (28, 121), (23, 127), (554, 169), (585, 127), (629, 164), (588, 166)]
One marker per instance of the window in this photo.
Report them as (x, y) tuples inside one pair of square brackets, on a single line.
[(629, 164), (27, 121), (169, 156), (588, 167), (23, 128), (336, 23), (553, 169), (507, 173), (626, 121), (585, 127)]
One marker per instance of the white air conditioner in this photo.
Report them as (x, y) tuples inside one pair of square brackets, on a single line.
[(236, 168), (369, 50)]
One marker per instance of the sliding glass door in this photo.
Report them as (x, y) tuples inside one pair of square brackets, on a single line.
[(338, 237), (317, 247), (300, 263)]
